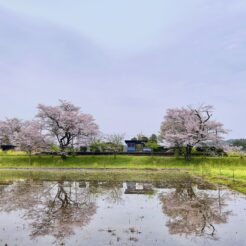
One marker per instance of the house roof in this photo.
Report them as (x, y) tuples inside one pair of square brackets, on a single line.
[(135, 141)]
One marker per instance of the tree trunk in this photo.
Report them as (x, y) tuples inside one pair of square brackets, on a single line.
[(188, 152), (63, 153), (30, 158)]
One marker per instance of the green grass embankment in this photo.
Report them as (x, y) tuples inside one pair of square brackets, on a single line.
[(121, 161)]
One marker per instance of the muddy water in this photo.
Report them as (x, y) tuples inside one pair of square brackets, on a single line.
[(82, 212)]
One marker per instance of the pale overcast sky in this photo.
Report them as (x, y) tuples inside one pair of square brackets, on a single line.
[(124, 61)]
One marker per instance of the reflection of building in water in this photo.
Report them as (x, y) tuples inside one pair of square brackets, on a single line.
[(138, 188)]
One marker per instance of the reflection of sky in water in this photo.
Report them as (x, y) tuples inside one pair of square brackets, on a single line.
[(122, 214)]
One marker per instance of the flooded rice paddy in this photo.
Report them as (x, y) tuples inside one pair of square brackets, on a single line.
[(118, 209)]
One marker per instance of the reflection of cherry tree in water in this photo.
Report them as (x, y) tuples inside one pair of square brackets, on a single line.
[(54, 209), (193, 213), (71, 207)]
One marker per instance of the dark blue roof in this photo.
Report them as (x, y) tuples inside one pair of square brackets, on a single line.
[(135, 141)]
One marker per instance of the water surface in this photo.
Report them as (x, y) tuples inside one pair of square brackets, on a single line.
[(64, 210)]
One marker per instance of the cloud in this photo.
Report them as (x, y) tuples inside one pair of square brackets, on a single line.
[(199, 58)]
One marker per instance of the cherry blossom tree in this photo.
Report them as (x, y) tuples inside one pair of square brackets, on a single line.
[(30, 138), (8, 129), (25, 135), (191, 126), (67, 124)]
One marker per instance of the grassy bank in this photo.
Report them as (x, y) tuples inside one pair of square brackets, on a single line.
[(230, 171), (124, 161)]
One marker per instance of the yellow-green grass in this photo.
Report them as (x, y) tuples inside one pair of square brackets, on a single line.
[(12, 152), (121, 161), (233, 176)]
